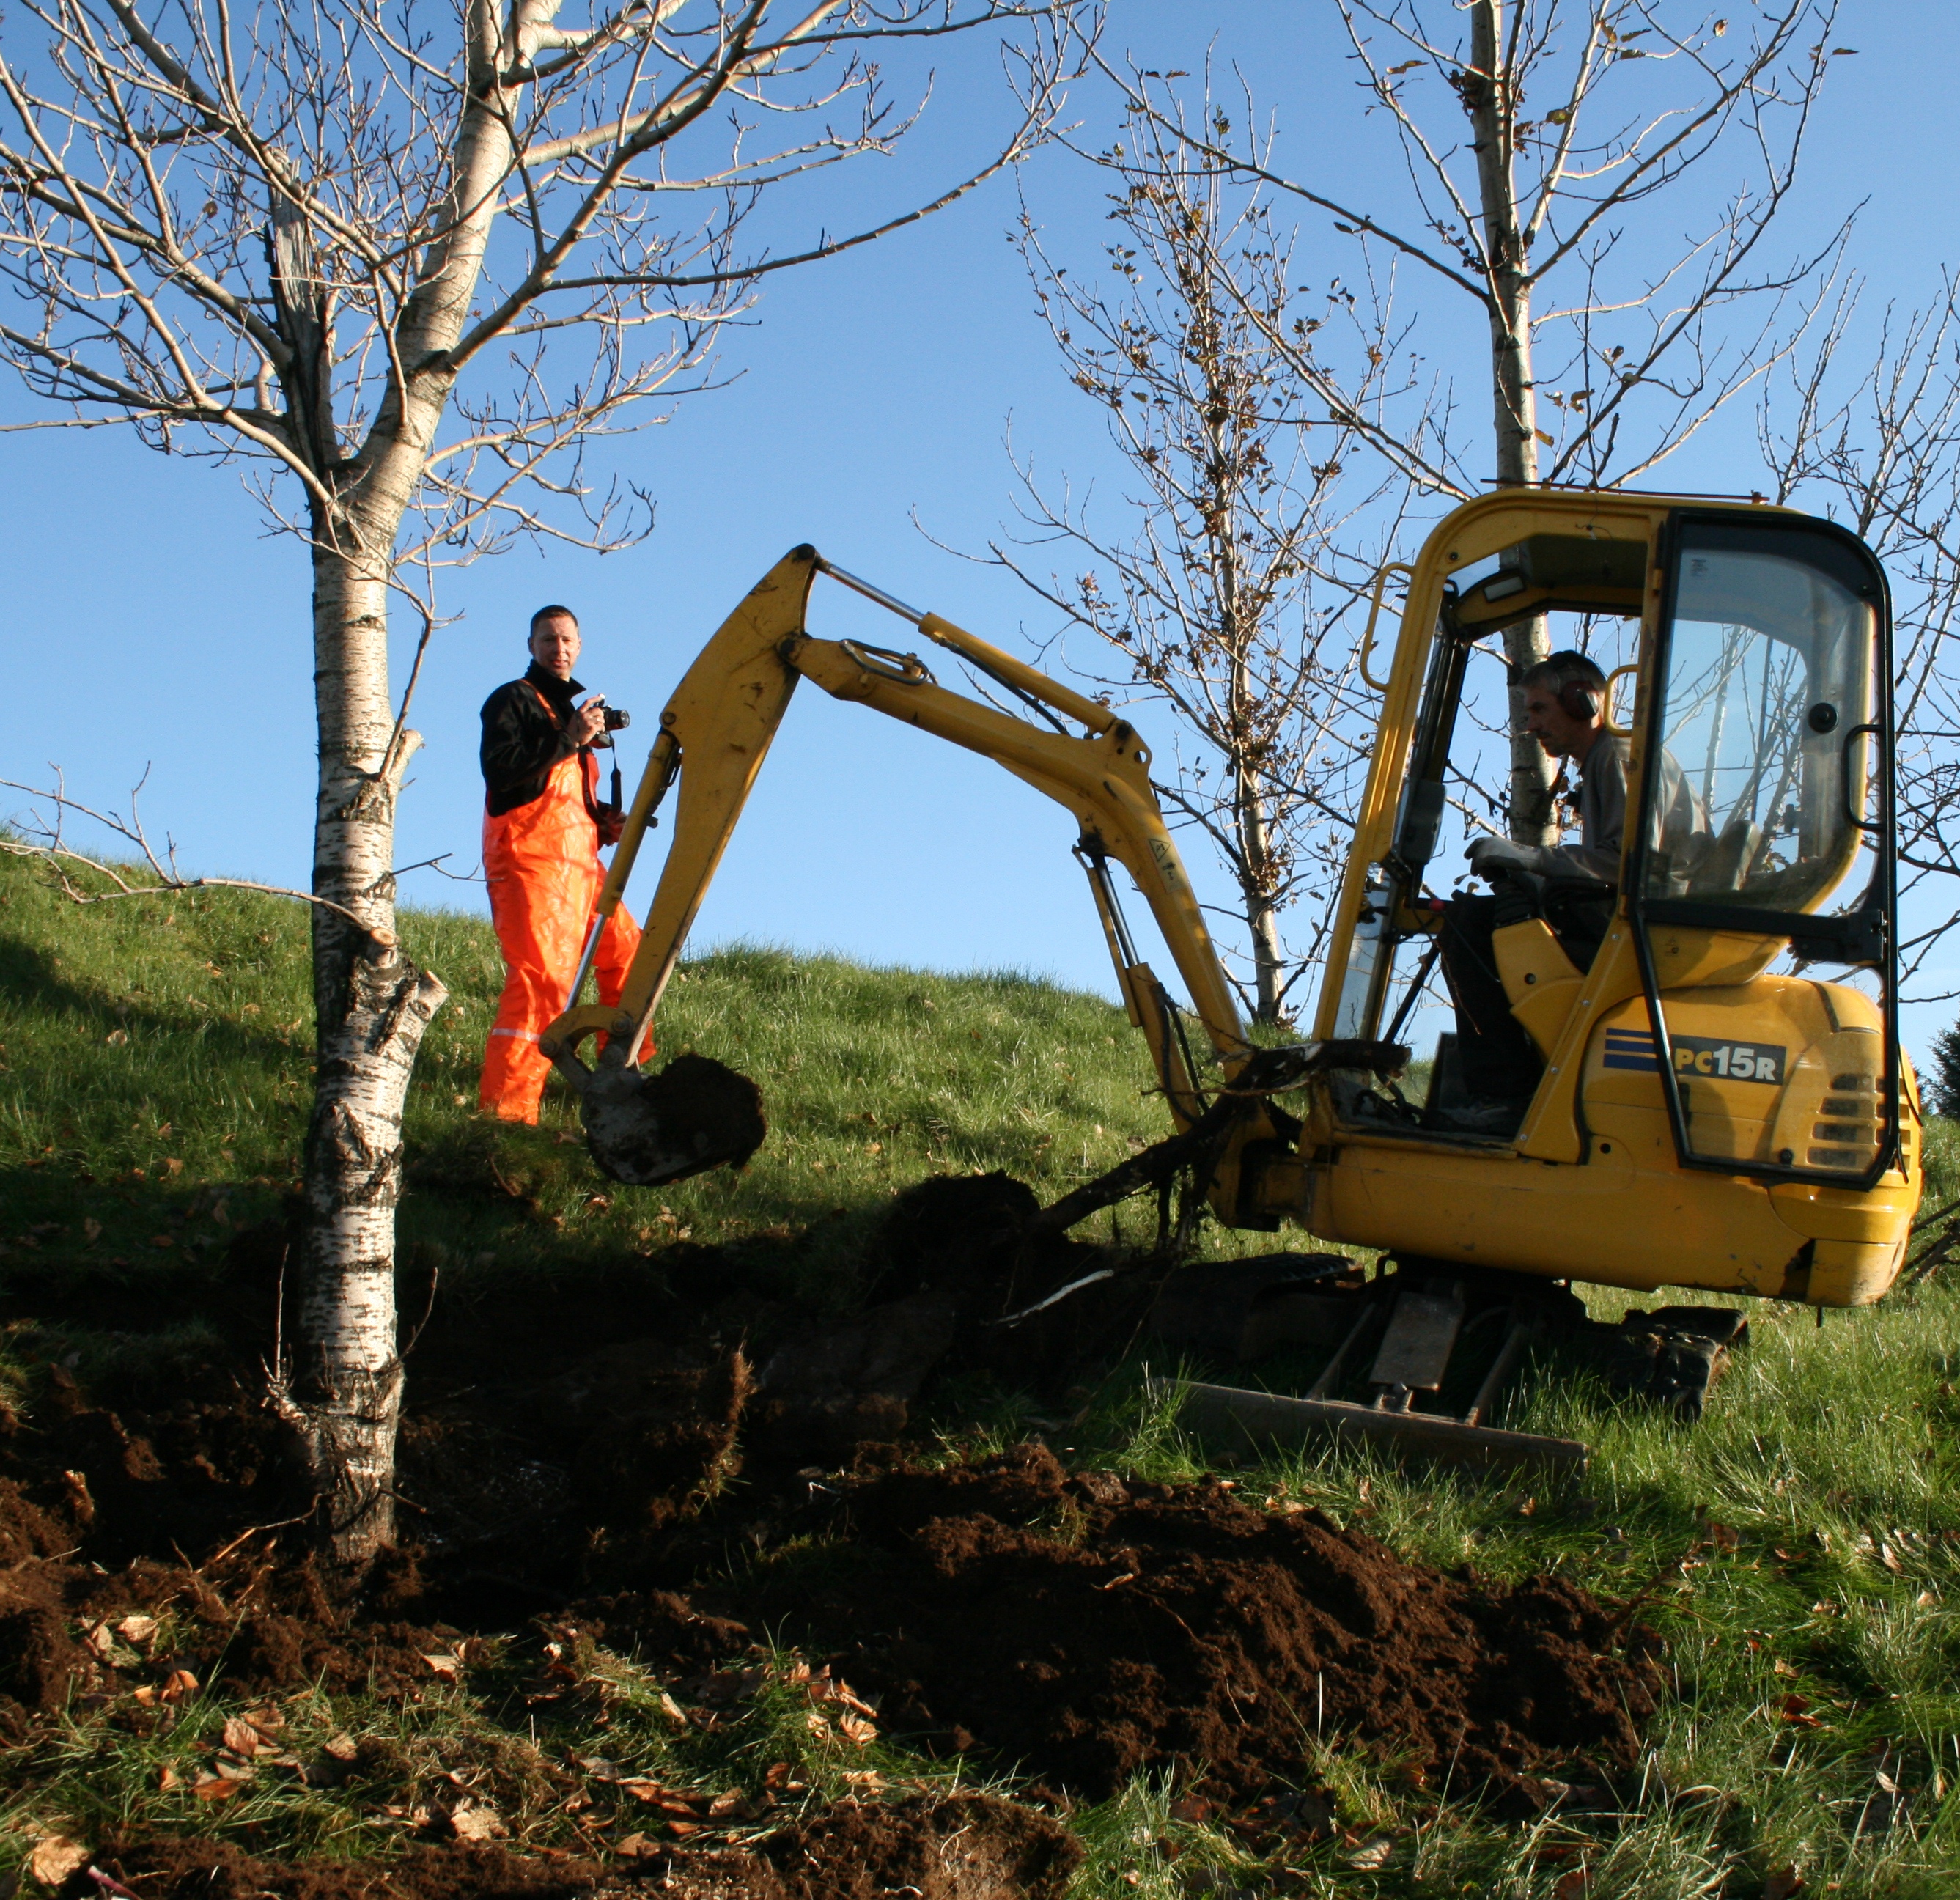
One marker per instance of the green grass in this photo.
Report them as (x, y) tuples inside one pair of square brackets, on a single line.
[(168, 1048), (1803, 1540)]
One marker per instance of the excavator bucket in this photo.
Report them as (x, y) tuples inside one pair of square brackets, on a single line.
[(645, 1130)]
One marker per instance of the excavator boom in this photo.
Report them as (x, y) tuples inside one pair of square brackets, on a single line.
[(714, 735)]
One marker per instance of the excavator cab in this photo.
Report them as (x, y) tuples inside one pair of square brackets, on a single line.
[(1724, 1043)]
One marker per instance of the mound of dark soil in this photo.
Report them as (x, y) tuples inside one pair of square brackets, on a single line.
[(971, 1846), (1087, 1629), (1078, 1626), (963, 1285)]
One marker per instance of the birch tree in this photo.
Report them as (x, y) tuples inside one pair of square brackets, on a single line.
[(1215, 585), (1550, 153), (403, 262)]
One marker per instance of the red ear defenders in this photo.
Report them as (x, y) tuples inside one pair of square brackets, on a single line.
[(1580, 700)]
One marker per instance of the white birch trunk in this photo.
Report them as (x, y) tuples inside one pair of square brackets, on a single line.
[(1491, 97), (372, 1006)]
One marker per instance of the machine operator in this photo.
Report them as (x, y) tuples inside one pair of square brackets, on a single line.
[(543, 825), (1565, 709)]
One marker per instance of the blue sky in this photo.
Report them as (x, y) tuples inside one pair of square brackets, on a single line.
[(159, 627)]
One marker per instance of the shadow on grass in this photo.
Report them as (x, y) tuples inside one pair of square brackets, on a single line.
[(28, 975)]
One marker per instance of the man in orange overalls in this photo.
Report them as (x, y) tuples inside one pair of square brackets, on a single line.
[(541, 860)]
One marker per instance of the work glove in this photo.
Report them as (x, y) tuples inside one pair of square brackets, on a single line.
[(1492, 856)]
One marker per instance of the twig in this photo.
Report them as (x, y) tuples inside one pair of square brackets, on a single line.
[(56, 852), (281, 1524)]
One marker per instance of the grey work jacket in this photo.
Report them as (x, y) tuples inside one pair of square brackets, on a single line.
[(1602, 814)]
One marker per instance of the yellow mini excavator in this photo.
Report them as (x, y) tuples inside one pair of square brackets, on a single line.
[(1702, 1120)]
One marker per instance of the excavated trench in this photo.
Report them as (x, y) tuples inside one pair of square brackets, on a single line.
[(1070, 1627)]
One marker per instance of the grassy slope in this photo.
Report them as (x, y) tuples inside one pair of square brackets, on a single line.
[(155, 1071)]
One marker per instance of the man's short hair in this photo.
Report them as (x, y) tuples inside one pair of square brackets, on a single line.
[(1564, 668), (550, 613)]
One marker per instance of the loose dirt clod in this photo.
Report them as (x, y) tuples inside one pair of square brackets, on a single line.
[(646, 1128)]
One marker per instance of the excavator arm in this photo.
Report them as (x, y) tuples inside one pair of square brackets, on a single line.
[(715, 734)]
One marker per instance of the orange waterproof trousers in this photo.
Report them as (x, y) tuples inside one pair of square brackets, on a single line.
[(541, 862)]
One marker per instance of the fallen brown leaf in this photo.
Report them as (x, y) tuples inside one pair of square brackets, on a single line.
[(1370, 1855), (138, 1630), (477, 1821), (241, 1737), (445, 1665), (101, 1641), (1781, 1886), (1569, 1885), (55, 1857), (208, 1786), (177, 1686)]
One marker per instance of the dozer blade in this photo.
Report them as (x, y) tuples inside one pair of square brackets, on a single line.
[(1275, 1418), (645, 1130)]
